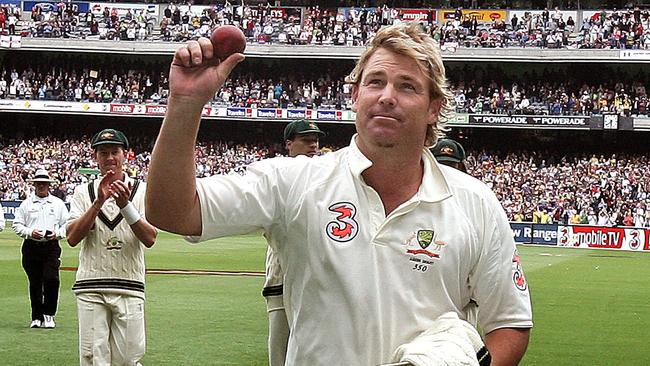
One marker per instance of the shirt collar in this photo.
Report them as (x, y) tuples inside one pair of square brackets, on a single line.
[(434, 185), (36, 198)]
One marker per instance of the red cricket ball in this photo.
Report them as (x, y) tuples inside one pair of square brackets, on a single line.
[(226, 40)]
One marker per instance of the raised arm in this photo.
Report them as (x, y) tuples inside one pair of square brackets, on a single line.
[(194, 77)]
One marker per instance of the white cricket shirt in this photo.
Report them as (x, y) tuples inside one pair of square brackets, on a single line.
[(40, 213), (357, 283)]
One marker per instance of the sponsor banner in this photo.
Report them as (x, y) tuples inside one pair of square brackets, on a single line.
[(297, 113), (269, 113), (11, 41), (634, 55), (553, 121), (156, 110), (326, 115), (640, 123), (329, 115), (529, 233), (420, 15), (122, 108), (277, 13), (459, 119), (8, 209), (594, 237), (239, 112), (123, 8), (482, 16), (50, 6)]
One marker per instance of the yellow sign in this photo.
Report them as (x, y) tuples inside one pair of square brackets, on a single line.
[(482, 16)]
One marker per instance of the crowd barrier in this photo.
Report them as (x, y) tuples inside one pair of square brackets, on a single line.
[(557, 235)]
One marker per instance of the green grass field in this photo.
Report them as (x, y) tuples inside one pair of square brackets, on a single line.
[(590, 307)]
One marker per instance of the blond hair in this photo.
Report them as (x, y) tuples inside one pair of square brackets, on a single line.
[(410, 40)]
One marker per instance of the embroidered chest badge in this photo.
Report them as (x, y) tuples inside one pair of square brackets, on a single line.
[(114, 243), (424, 242), (344, 227)]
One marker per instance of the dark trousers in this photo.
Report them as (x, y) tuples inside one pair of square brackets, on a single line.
[(41, 261)]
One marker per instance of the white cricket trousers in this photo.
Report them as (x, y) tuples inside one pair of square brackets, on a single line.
[(111, 329)]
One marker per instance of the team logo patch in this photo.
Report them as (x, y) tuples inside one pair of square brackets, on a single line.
[(424, 238), (344, 227), (420, 243), (114, 244), (518, 276)]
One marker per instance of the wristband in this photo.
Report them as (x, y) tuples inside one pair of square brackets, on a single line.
[(130, 213)]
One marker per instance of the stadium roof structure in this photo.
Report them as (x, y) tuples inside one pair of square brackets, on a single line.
[(513, 54)]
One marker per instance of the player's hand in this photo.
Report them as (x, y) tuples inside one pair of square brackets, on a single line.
[(104, 190), (49, 235), (196, 73), (121, 192), (37, 234)]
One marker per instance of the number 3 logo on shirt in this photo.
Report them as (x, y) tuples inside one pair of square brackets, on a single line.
[(344, 228)]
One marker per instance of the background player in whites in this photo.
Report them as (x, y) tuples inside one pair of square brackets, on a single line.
[(106, 219), (451, 153), (2, 218), (301, 137), (376, 242), (40, 220)]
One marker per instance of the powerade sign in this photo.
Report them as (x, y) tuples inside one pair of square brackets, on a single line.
[(51, 6), (541, 121), (543, 234)]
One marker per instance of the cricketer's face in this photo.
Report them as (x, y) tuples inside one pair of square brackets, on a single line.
[(393, 102), (305, 144), (110, 157)]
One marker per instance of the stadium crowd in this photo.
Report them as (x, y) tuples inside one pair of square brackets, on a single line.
[(627, 28), (478, 88), (608, 190)]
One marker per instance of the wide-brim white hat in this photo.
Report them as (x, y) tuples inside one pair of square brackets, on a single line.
[(42, 176)]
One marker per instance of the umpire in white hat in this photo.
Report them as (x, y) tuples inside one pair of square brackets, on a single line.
[(40, 221)]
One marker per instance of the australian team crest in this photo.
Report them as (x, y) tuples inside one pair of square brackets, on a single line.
[(425, 237), (421, 243)]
